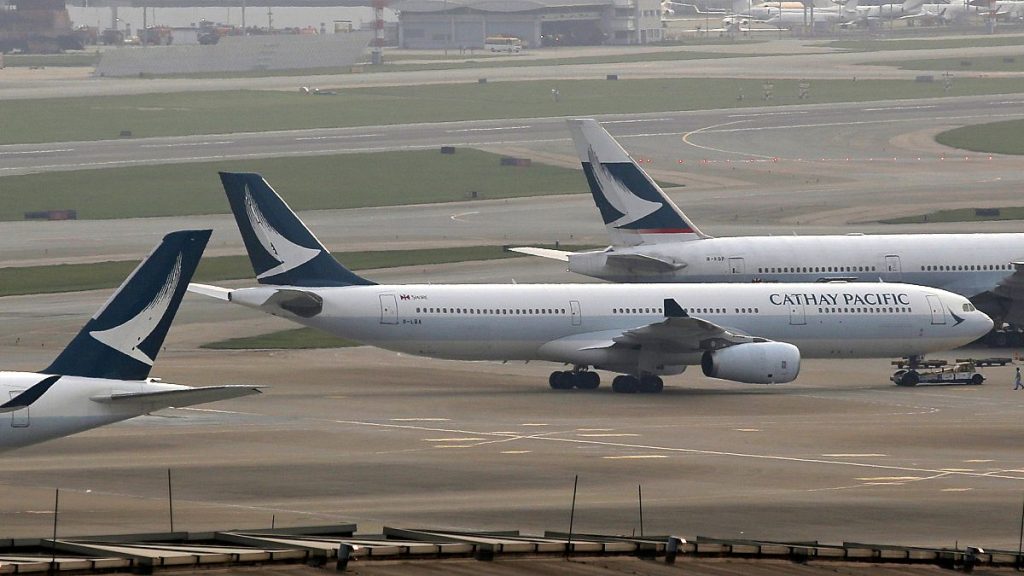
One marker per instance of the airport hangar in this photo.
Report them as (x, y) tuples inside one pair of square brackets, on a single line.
[(467, 23)]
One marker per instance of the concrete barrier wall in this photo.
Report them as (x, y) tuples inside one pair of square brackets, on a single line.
[(238, 54)]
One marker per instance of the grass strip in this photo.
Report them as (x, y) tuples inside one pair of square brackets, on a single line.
[(994, 137), (95, 276), (961, 215), (953, 65), (924, 43), (308, 182), (181, 114)]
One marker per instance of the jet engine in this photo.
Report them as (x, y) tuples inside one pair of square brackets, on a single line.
[(753, 363)]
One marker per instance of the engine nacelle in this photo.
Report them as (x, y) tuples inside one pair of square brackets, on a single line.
[(754, 363)]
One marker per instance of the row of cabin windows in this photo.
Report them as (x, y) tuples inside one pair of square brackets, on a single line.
[(968, 267), (889, 310), (490, 311), (815, 269), (689, 311)]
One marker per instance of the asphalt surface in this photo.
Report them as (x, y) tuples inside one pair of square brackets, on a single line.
[(367, 436)]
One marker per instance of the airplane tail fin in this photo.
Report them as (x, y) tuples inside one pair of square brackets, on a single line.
[(121, 341), (634, 208), (282, 250)]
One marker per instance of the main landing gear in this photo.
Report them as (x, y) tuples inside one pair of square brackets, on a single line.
[(631, 384), (584, 379), (577, 378)]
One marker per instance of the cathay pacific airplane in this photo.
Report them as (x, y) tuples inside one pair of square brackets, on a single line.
[(653, 241), (102, 376), (753, 333)]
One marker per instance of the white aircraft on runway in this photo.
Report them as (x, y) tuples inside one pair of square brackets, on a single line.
[(102, 376), (653, 241), (640, 331)]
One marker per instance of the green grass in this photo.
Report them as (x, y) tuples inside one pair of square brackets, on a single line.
[(78, 277), (959, 215), (296, 339), (179, 114), (924, 43), (986, 64), (994, 138), (54, 60), (309, 183)]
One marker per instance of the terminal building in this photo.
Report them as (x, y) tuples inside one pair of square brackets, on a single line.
[(466, 24)]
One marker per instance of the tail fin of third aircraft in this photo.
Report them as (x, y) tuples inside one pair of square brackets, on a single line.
[(634, 208), (121, 341), (282, 250)]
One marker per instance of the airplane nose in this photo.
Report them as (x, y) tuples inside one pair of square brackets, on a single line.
[(985, 323)]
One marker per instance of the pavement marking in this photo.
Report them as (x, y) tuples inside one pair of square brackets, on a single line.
[(486, 129), (302, 138), (760, 114), (635, 457), (957, 489), (686, 140), (217, 411), (549, 437), (855, 455), (419, 419), (595, 429), (891, 478), (453, 439), (455, 446), (978, 461), (458, 217), (958, 470), (921, 107), (746, 429), (532, 424), (638, 120), (184, 144), (49, 151), (516, 451), (608, 435)]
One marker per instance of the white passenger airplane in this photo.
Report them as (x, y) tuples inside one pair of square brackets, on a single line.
[(640, 331), (102, 376), (653, 241)]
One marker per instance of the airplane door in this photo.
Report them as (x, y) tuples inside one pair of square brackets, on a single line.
[(938, 314), (736, 266), (893, 267), (388, 309), (574, 308), (19, 418), (796, 315)]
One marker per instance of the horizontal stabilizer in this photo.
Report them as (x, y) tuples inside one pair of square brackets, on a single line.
[(179, 398), (211, 291), (561, 255)]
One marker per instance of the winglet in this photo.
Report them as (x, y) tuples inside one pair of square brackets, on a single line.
[(634, 208), (282, 250), (674, 310), (121, 341)]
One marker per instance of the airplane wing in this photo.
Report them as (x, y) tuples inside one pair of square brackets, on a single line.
[(678, 332), (1012, 286), (178, 398), (543, 253)]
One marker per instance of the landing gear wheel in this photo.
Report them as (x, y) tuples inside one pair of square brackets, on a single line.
[(588, 380), (651, 385), (561, 380), (625, 385)]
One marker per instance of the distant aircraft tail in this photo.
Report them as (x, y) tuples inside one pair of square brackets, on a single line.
[(634, 208), (282, 250), (122, 340)]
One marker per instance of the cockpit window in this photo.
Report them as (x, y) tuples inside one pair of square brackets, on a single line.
[(968, 307)]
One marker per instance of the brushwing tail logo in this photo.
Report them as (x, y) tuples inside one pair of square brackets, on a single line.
[(289, 254), (127, 337), (631, 206)]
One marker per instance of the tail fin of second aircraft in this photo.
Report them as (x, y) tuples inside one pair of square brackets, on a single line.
[(282, 250), (121, 341), (634, 208)]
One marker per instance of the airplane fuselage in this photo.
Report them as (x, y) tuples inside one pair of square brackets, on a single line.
[(72, 404), (966, 264), (577, 323)]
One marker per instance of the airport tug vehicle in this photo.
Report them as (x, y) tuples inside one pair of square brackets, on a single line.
[(963, 371)]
